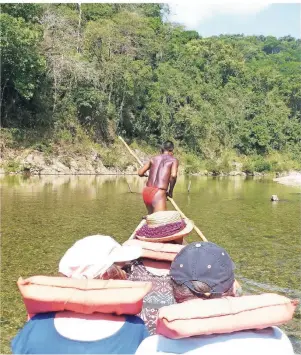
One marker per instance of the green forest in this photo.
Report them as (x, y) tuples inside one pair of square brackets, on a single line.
[(76, 76)]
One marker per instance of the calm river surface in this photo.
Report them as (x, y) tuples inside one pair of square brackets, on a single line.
[(43, 216)]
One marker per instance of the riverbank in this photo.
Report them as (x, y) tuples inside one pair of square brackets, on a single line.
[(292, 179), (33, 162), (87, 158), (115, 162), (70, 160)]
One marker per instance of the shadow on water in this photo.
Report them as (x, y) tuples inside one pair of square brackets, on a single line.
[(44, 216), (282, 200)]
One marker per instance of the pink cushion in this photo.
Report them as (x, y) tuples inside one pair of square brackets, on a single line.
[(224, 315), (46, 294), (157, 251)]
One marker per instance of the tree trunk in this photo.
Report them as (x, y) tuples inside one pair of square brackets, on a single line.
[(2, 92), (121, 110)]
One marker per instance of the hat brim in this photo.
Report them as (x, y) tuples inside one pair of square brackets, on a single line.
[(183, 233), (119, 254), (126, 253), (217, 289)]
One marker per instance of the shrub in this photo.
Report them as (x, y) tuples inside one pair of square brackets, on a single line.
[(217, 166), (256, 163), (109, 158), (282, 162), (63, 136), (12, 166), (248, 166), (262, 165), (43, 147), (192, 164), (7, 139), (212, 166)]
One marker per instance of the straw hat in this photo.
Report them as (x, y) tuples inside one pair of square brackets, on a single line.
[(163, 217), (92, 256), (162, 222)]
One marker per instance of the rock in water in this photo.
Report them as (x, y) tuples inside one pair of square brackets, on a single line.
[(274, 198)]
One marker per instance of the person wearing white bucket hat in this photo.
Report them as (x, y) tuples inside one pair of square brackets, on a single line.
[(92, 257), (76, 333)]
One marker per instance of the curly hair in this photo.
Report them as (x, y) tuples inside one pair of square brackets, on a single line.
[(182, 293)]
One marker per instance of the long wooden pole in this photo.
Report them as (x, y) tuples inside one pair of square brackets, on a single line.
[(189, 186), (130, 150), (169, 199)]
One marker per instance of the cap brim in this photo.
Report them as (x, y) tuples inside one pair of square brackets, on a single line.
[(184, 232), (217, 289)]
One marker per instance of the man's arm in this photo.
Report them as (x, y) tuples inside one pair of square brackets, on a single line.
[(173, 178), (143, 170)]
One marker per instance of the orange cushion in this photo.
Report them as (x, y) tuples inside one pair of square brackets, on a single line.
[(47, 294), (157, 251), (224, 315)]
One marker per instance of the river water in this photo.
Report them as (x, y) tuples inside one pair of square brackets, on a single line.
[(43, 216)]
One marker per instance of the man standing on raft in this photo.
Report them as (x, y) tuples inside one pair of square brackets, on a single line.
[(163, 171)]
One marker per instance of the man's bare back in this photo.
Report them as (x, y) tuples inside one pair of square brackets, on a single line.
[(163, 170), (160, 171)]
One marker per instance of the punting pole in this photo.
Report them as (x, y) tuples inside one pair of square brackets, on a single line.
[(189, 186), (169, 199), (130, 150), (129, 187)]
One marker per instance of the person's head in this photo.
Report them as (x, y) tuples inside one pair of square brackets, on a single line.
[(114, 272), (167, 147), (202, 270), (97, 256)]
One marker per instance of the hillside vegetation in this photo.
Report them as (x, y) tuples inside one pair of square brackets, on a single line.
[(75, 76)]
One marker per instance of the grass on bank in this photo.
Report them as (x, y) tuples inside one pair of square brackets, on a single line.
[(16, 143)]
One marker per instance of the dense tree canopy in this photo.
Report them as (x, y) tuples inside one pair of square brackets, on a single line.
[(113, 68)]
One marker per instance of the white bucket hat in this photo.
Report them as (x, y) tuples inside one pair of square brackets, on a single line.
[(91, 256)]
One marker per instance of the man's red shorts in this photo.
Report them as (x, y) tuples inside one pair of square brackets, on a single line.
[(148, 194)]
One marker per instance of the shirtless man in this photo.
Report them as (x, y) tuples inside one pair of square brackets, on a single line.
[(163, 170)]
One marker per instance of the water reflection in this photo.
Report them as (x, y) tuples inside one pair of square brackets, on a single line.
[(88, 184)]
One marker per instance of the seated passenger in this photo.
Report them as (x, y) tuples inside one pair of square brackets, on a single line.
[(74, 333), (164, 226), (205, 270), (97, 256), (161, 293)]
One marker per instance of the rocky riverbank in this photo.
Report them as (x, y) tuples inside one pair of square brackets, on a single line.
[(292, 179), (114, 162), (35, 163)]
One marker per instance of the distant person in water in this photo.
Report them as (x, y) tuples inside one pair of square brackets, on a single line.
[(163, 171)]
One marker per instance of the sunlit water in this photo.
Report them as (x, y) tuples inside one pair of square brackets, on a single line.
[(43, 216)]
